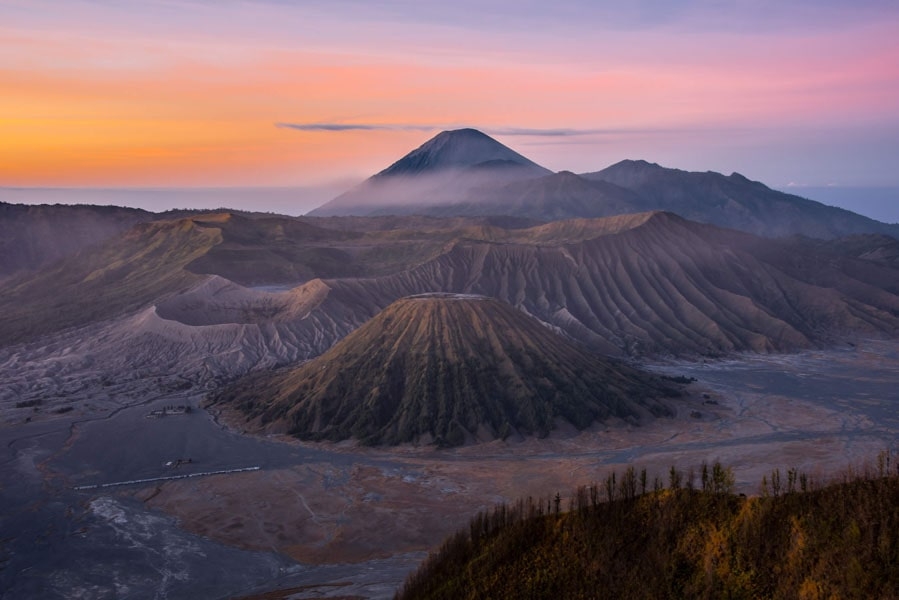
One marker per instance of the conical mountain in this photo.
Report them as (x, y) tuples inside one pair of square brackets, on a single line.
[(447, 369), (460, 148), (443, 170)]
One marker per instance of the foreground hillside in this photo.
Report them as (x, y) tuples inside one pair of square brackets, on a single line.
[(447, 369), (841, 541)]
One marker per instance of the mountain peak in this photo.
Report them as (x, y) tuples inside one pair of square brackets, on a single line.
[(630, 165), (443, 170), (459, 149), (448, 368)]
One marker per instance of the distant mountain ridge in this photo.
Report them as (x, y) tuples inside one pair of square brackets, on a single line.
[(736, 202), (558, 196), (488, 178)]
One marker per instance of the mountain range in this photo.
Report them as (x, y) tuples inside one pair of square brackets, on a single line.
[(645, 284), (211, 297), (427, 182)]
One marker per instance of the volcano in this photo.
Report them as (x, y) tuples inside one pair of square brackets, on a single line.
[(448, 369), (443, 170)]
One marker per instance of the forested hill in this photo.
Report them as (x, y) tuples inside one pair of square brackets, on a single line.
[(840, 541)]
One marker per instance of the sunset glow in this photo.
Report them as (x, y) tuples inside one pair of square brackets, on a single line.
[(189, 93)]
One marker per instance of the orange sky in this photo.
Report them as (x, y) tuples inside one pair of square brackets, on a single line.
[(145, 99)]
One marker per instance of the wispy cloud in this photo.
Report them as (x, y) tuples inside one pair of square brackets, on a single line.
[(355, 127), (505, 131), (561, 132)]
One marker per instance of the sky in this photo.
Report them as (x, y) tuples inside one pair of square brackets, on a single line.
[(320, 94)]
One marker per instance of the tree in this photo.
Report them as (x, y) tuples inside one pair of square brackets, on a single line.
[(675, 478)]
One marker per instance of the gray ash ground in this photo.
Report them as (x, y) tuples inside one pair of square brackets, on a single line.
[(817, 409), (61, 543)]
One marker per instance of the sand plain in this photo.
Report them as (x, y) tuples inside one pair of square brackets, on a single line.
[(821, 412), (338, 520)]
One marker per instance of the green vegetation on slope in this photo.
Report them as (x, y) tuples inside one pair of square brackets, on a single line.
[(839, 541)]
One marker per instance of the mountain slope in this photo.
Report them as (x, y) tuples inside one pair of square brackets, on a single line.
[(466, 173), (158, 258), (840, 541), (562, 195), (458, 149), (651, 283), (33, 236), (446, 368), (735, 202), (656, 284), (881, 249), (124, 274), (440, 171)]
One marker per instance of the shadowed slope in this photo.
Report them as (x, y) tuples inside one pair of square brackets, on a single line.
[(656, 283), (287, 250), (881, 249), (561, 195), (735, 202), (446, 369), (124, 274), (32, 236)]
